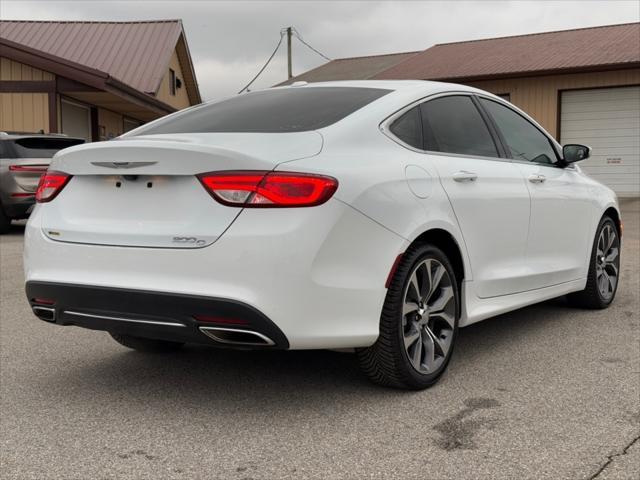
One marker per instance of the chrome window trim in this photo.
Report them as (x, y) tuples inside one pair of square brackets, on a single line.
[(385, 127), (555, 145), (548, 165)]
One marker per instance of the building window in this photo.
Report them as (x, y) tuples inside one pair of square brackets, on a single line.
[(172, 82)]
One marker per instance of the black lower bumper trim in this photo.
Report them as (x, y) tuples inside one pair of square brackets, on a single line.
[(159, 315), (17, 210)]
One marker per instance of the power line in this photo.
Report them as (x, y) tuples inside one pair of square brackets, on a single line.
[(297, 34), (265, 65), (282, 33)]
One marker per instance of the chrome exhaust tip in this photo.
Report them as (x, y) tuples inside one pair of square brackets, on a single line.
[(47, 314), (233, 336)]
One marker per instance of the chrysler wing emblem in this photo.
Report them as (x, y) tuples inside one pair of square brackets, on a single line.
[(122, 164)]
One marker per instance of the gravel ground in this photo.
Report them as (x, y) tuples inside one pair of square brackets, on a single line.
[(544, 392)]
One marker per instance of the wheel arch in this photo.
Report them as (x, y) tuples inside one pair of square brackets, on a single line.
[(446, 242), (615, 216)]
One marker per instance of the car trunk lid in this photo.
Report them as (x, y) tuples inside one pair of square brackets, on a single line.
[(143, 191)]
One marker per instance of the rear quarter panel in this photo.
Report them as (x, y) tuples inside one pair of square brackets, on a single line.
[(373, 178)]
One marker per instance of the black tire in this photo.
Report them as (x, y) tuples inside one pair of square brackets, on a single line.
[(147, 345), (5, 222), (591, 297), (387, 361)]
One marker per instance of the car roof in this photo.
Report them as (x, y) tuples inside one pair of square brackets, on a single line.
[(395, 85)]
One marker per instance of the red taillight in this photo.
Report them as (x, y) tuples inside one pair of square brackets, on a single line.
[(51, 183), (28, 168), (268, 189)]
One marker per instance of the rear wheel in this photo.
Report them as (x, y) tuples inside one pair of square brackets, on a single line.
[(604, 269), (145, 344), (5, 222), (419, 322)]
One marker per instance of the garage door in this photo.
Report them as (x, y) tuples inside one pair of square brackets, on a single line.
[(608, 120)]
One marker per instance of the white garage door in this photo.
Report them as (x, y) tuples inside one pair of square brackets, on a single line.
[(608, 120)]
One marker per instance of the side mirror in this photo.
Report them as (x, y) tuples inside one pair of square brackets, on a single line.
[(574, 153)]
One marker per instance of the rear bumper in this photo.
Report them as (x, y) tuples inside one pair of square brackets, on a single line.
[(162, 316), (17, 207), (17, 196), (318, 273)]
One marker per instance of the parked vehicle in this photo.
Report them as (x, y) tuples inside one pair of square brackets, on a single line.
[(374, 215), (24, 157)]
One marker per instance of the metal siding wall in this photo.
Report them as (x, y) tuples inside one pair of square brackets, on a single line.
[(10, 70), (24, 112), (538, 96), (181, 99), (112, 123)]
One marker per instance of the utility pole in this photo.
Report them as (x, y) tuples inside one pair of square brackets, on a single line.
[(289, 52)]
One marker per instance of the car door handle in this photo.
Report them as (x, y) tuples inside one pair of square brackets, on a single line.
[(537, 178), (464, 176)]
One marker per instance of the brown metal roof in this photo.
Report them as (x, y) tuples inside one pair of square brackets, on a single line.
[(568, 50), (135, 53), (79, 78), (354, 68)]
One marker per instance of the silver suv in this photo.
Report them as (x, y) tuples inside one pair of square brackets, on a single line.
[(24, 157)]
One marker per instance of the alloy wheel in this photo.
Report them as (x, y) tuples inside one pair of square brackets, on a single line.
[(428, 316), (607, 261)]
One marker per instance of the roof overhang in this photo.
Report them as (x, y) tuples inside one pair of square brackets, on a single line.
[(105, 89), (538, 73)]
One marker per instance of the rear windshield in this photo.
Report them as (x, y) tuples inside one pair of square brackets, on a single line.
[(296, 109), (37, 147)]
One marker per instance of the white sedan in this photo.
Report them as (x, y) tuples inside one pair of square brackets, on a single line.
[(378, 216)]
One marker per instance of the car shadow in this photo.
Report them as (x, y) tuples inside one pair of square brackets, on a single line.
[(224, 379)]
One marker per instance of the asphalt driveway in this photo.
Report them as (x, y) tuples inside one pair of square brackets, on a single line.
[(544, 392)]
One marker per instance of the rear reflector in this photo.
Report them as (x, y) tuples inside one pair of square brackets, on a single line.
[(256, 189), (44, 301), (392, 272), (28, 168), (22, 195), (51, 183)]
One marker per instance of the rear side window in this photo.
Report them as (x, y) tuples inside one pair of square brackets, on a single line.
[(38, 147), (454, 125), (408, 128), (524, 140), (280, 110)]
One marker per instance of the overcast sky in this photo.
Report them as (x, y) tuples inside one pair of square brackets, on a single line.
[(230, 41)]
